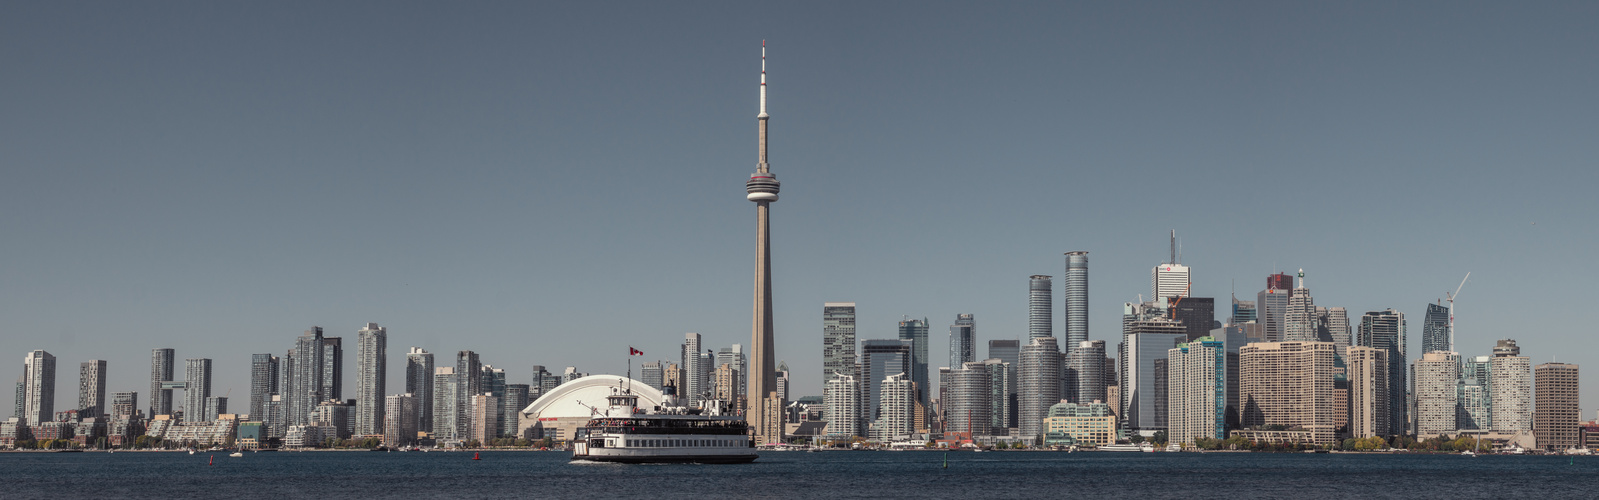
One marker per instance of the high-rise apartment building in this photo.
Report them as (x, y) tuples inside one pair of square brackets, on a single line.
[(1385, 330), (1001, 394), (1299, 321), (513, 404), (1511, 390), (306, 387), (400, 420), (838, 341), (493, 383), (333, 368), (1197, 391), (91, 389), (734, 355), (197, 387), (1088, 367), (485, 416), (879, 359), (843, 407), (124, 404), (1336, 323), (1555, 414), (1437, 393), (969, 408), (214, 406), (694, 369), (915, 331), (651, 375), (38, 388), (896, 413), (1368, 391), (1040, 319), (419, 384), (1435, 329), (445, 404), (1008, 351), (469, 383), (1288, 384), (1144, 384), (1076, 290), (162, 363), (371, 382), (263, 383), (962, 340), (1039, 386)]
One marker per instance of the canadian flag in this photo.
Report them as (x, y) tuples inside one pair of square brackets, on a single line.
[(634, 352)]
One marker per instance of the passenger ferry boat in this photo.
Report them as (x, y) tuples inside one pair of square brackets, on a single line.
[(624, 433)]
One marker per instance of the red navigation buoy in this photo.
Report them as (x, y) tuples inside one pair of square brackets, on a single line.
[(475, 457), (212, 461)]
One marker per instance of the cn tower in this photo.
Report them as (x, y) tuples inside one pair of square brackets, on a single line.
[(762, 189)]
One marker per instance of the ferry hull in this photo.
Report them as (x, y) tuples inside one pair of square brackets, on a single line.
[(668, 459)]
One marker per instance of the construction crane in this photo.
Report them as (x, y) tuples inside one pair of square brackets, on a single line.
[(1180, 300), (1451, 298)]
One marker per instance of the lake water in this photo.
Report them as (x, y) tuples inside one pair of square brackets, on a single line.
[(832, 475)]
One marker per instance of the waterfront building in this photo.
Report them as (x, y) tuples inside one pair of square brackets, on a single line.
[(162, 362), (333, 367), (445, 403), (962, 340), (1474, 410), (515, 400), (1197, 393), (695, 390), (419, 384), (1008, 351), (263, 383), (371, 383), (1288, 384), (1299, 320), (1272, 306), (196, 388), (896, 415), (1368, 392), (762, 188), (493, 383), (214, 406), (306, 436), (1386, 330), (1076, 303), (400, 420), (273, 417), (124, 403), (1039, 385), (468, 383), (91, 389), (1040, 321), (485, 411), (915, 331), (1437, 393), (880, 358), (306, 388), (1435, 329), (1087, 424), (1555, 415), (838, 341), (1088, 367), (970, 406), (1144, 372), (333, 414), (38, 388), (843, 407), (1511, 390), (201, 434), (651, 374)]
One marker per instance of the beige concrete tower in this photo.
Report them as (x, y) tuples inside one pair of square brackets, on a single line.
[(762, 188)]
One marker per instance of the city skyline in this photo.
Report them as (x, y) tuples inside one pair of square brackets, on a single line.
[(251, 211)]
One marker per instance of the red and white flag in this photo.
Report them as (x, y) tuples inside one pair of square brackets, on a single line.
[(634, 352)]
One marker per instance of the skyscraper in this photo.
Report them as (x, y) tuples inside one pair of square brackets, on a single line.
[(1368, 391), (694, 370), (650, 374), (484, 414), (162, 361), (838, 342), (1040, 385), (468, 383), (1040, 322), (897, 398), (1169, 279), (333, 368), (1198, 391), (419, 383), (1144, 385), (915, 330), (263, 383), (515, 401), (1435, 329), (1076, 290), (197, 387), (762, 189), (843, 407), (1511, 390), (400, 420), (305, 390), (1088, 365), (1288, 384), (1197, 314), (1008, 351), (1337, 325), (1299, 321), (445, 404), (962, 340), (1385, 330), (371, 382), (1437, 395), (1555, 416), (879, 359), (970, 405), (38, 388), (1271, 306), (91, 389)]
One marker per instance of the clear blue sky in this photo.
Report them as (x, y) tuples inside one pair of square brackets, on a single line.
[(551, 182)]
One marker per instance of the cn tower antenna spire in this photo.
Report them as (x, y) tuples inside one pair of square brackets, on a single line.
[(763, 81)]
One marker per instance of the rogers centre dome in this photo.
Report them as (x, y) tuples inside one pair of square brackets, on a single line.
[(557, 415)]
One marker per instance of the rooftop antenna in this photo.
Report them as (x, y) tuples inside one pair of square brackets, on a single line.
[(1173, 247), (1452, 309)]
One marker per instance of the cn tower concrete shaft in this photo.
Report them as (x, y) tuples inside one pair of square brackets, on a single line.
[(762, 189)]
